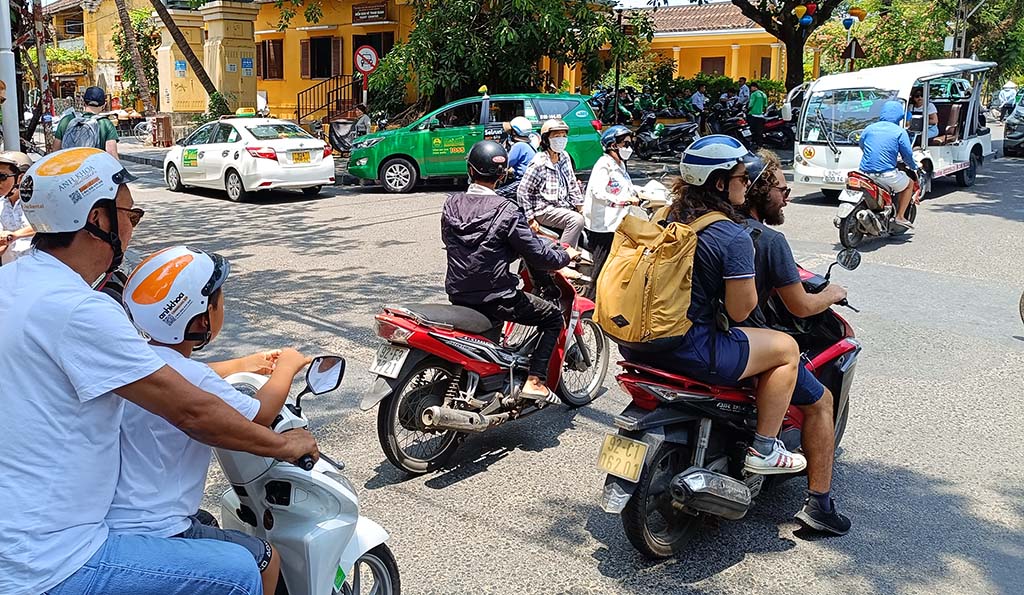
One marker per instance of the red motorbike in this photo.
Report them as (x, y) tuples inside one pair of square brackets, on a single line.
[(445, 371), (865, 208), (678, 455)]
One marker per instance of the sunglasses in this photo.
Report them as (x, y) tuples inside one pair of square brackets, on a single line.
[(5, 177), (784, 191), (134, 215), (746, 180)]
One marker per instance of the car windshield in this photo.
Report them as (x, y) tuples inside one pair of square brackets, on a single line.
[(272, 131), (841, 114)]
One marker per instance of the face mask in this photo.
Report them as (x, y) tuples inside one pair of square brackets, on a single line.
[(625, 153), (534, 142), (558, 144)]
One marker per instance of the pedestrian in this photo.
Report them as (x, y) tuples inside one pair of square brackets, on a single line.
[(362, 125), (756, 107), (697, 100), (87, 128), (15, 230), (743, 96)]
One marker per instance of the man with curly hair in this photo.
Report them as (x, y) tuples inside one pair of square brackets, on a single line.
[(776, 271)]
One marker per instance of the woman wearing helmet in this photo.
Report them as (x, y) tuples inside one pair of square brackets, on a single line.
[(522, 151), (549, 192), (176, 297), (610, 192), (714, 179), (483, 234), (15, 230)]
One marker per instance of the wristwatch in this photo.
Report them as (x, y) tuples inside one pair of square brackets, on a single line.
[(10, 238)]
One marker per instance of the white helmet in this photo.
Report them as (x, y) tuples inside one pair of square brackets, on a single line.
[(710, 153), (521, 126), (1010, 85), (60, 189), (170, 288)]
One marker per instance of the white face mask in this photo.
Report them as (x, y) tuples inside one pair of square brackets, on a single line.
[(625, 153), (558, 144), (534, 141)]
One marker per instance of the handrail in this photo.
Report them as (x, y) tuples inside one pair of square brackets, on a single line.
[(321, 96)]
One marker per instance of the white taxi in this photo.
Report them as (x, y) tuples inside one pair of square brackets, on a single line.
[(243, 155)]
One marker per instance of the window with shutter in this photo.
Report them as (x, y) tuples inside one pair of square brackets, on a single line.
[(261, 58), (304, 58), (336, 66), (273, 67)]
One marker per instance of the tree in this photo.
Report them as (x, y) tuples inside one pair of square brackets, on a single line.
[(138, 67), (182, 43)]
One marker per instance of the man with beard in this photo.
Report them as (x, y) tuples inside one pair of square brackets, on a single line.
[(776, 270)]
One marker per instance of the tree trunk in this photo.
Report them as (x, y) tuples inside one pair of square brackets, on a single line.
[(182, 43), (794, 60), (141, 80)]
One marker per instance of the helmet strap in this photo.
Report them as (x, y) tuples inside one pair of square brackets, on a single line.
[(203, 337), (110, 237)]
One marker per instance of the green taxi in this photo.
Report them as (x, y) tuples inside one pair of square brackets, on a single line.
[(435, 146)]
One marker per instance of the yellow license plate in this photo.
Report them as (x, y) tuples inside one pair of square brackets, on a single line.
[(300, 157), (622, 457)]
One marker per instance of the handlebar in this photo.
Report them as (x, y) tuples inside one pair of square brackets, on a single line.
[(843, 302), (305, 462)]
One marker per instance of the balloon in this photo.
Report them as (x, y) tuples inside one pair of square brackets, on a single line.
[(848, 22), (811, 7), (799, 11), (860, 13), (806, 20)]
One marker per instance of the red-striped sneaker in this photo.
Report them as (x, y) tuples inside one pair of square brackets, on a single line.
[(779, 461)]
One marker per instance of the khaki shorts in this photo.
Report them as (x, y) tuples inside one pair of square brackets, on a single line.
[(894, 180)]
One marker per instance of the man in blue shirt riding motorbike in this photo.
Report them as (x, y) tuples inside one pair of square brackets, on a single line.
[(882, 143)]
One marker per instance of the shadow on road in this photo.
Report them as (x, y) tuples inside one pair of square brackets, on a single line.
[(888, 549)]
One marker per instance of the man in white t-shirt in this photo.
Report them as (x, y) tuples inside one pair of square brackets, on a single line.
[(64, 350)]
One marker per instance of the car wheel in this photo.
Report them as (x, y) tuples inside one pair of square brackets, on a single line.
[(173, 179), (312, 190), (398, 175), (965, 178), (234, 187)]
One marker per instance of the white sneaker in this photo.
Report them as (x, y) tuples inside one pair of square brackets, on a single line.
[(904, 223), (779, 461)]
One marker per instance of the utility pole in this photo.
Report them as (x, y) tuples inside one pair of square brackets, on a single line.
[(615, 117), (9, 75), (44, 74)]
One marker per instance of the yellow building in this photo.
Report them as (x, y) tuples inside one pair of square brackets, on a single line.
[(305, 72), (716, 38)]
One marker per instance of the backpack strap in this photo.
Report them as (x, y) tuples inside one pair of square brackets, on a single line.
[(700, 223)]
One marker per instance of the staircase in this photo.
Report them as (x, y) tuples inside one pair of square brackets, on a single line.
[(328, 98)]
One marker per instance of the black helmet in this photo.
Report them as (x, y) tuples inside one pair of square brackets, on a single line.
[(487, 160), (94, 96)]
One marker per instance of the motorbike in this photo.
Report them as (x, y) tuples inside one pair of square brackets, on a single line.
[(308, 511), (778, 133), (677, 458), (444, 372), (865, 208), (657, 140), (724, 120)]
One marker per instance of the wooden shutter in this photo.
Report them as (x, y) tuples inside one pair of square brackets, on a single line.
[(304, 58), (275, 59), (261, 49), (336, 66)]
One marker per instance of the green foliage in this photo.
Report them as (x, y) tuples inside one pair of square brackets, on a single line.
[(459, 45), (64, 61), (217, 106), (147, 38), (387, 84)]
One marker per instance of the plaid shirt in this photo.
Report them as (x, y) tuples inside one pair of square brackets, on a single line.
[(547, 185)]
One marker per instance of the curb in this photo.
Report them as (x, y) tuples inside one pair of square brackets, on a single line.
[(157, 163)]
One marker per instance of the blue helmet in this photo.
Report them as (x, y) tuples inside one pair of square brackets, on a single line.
[(710, 153), (613, 134)]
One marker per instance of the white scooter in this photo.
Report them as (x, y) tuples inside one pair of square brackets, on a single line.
[(309, 512)]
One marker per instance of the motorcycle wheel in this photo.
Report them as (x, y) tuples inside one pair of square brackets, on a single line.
[(654, 527), (585, 365), (850, 235), (375, 572), (911, 216), (404, 440)]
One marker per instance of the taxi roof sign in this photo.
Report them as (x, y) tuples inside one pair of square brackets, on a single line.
[(245, 112)]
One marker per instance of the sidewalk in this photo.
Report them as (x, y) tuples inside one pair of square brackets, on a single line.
[(132, 149)]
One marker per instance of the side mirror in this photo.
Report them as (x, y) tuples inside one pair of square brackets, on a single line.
[(849, 259), (433, 124), (324, 374), (787, 111)]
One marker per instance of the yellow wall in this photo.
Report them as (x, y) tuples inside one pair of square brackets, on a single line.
[(281, 94), (99, 27), (746, 61)]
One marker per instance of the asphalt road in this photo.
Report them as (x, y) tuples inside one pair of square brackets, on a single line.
[(930, 470)]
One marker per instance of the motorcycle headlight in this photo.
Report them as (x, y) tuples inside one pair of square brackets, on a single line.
[(367, 143)]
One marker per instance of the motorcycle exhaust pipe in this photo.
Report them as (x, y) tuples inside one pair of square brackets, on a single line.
[(698, 489), (446, 418)]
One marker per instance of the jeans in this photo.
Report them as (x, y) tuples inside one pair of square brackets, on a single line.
[(528, 309), (143, 565), (570, 221)]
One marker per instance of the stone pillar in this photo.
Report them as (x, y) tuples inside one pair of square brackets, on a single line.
[(734, 66), (180, 91), (776, 61), (816, 69), (677, 55), (230, 51)]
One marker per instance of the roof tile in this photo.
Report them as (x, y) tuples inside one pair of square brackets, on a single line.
[(699, 17)]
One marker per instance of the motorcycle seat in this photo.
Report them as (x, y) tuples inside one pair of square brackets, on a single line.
[(685, 381), (446, 315)]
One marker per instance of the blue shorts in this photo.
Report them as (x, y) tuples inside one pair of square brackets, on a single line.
[(259, 548), (808, 388)]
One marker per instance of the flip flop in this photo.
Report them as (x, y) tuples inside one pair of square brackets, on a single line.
[(550, 397)]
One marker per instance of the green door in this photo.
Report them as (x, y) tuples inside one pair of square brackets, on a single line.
[(456, 129)]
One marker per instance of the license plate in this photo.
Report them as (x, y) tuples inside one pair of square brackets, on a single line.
[(745, 132), (835, 176), (300, 157), (389, 360), (622, 457)]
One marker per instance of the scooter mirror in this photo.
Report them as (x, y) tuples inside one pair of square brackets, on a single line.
[(849, 259), (324, 374)]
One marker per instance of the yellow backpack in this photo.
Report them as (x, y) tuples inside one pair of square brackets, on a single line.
[(643, 291)]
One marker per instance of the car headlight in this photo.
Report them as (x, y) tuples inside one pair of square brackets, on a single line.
[(367, 143), (362, 162)]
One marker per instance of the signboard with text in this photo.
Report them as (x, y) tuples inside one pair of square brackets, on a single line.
[(369, 13)]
